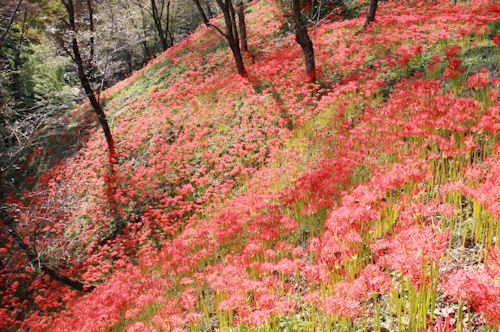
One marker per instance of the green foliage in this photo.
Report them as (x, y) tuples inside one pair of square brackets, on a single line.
[(480, 56), (43, 77), (39, 94), (494, 28)]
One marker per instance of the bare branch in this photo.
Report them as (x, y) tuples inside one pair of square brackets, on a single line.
[(205, 19), (9, 24)]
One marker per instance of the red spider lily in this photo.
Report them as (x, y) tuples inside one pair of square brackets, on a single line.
[(188, 145), (410, 248), (479, 80), (479, 287), (376, 280), (442, 325), (496, 40)]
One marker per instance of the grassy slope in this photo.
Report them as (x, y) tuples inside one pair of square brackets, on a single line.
[(362, 216)]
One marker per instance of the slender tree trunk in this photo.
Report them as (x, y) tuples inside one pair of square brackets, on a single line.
[(146, 52), (370, 16), (234, 27), (169, 38), (84, 80), (231, 33), (243, 26), (129, 62), (302, 38), (92, 98), (3, 36), (158, 25), (94, 102)]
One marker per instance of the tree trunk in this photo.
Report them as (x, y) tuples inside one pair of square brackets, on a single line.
[(201, 11), (243, 27), (168, 29), (91, 38), (302, 38), (370, 16), (92, 98), (159, 28), (238, 58), (234, 27), (3, 36), (84, 80), (146, 52), (231, 33)]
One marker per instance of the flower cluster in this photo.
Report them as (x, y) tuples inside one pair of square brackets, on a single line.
[(264, 201)]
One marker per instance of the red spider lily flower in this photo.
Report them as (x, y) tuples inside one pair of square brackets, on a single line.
[(376, 280), (441, 326), (479, 80), (139, 327), (258, 317), (477, 288), (454, 68), (410, 248), (496, 40), (341, 306), (452, 51)]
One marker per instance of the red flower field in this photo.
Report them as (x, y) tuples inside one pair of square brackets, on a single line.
[(368, 199)]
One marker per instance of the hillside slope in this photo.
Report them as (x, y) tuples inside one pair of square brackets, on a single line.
[(367, 200)]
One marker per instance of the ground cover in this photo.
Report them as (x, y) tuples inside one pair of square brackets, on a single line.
[(365, 201)]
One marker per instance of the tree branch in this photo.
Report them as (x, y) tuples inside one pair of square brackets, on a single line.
[(9, 24), (205, 19), (91, 39), (30, 251)]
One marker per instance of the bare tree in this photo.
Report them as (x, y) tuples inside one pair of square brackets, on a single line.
[(157, 9), (5, 32), (163, 30), (18, 129), (126, 24), (303, 39), (68, 40), (9, 222), (231, 31), (70, 43)]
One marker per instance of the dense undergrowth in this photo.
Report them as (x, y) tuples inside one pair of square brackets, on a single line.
[(368, 200)]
